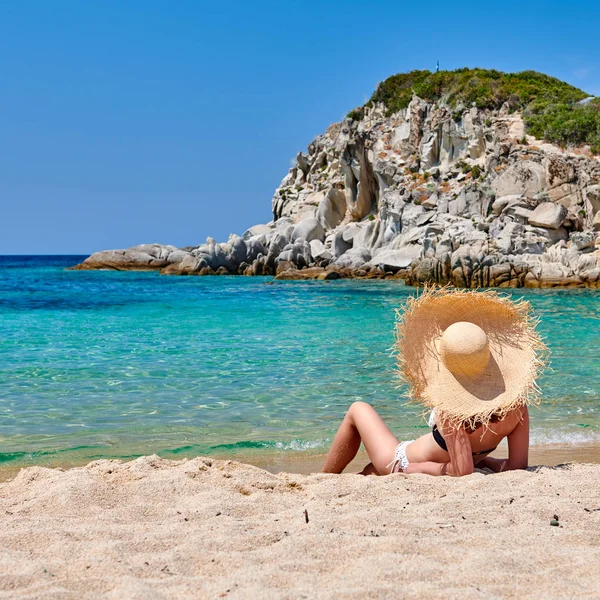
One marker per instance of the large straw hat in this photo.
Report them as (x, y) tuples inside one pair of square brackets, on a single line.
[(470, 355)]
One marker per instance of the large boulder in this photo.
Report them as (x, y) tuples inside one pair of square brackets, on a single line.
[(257, 230), (189, 265), (593, 197), (308, 230), (556, 275), (332, 209), (506, 202), (583, 240), (400, 258), (354, 258), (525, 177), (237, 250), (367, 236), (319, 252), (297, 253), (410, 215), (144, 257), (549, 215), (339, 245)]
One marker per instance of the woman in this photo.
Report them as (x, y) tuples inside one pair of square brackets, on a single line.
[(473, 357)]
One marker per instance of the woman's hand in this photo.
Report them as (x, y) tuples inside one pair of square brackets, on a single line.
[(497, 465), (459, 449), (427, 468)]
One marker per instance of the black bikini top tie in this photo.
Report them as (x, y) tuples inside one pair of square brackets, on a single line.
[(441, 442)]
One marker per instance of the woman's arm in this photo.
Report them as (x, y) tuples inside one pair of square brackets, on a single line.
[(518, 443), (459, 449), (497, 465), (428, 468)]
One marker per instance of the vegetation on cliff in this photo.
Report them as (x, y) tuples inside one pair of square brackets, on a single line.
[(551, 107), (566, 124)]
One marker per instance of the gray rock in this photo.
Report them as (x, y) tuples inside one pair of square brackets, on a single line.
[(319, 252), (339, 245), (551, 235), (350, 232), (189, 265), (593, 197), (367, 236), (521, 214), (583, 240), (332, 209), (431, 202), (145, 257), (410, 215), (238, 252), (458, 206), (257, 230), (177, 256), (254, 247), (353, 258), (410, 236), (401, 258), (308, 230), (425, 217), (548, 215), (278, 243), (444, 246), (505, 201), (524, 177), (297, 253)]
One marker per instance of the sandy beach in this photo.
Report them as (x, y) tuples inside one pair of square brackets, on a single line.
[(206, 528)]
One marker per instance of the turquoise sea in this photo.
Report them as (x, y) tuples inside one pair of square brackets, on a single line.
[(109, 364)]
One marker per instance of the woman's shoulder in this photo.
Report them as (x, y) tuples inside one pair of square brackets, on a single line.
[(510, 421)]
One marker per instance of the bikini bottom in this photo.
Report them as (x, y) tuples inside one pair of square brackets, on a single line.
[(400, 462)]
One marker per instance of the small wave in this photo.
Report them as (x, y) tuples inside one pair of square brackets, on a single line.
[(569, 437), (27, 457), (6, 457), (302, 445), (295, 445)]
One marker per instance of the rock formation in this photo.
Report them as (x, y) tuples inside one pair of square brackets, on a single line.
[(429, 194)]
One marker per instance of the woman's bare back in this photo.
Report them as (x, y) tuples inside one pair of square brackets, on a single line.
[(514, 426)]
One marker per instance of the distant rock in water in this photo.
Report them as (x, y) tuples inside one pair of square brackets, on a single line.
[(432, 192)]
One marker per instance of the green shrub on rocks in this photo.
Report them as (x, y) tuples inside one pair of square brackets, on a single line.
[(476, 171), (357, 114), (551, 107), (483, 88), (565, 124)]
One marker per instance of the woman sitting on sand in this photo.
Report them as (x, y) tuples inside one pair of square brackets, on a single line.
[(473, 357)]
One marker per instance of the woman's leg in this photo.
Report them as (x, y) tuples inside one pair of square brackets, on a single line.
[(361, 423)]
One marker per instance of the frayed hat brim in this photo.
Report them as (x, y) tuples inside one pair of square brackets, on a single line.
[(517, 354)]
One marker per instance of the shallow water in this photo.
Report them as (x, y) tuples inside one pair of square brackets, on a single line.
[(104, 364)]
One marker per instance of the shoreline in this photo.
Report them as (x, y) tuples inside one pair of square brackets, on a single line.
[(306, 463), (403, 274)]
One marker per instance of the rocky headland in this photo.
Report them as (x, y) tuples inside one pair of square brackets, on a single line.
[(463, 177)]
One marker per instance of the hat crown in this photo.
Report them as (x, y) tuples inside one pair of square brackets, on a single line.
[(464, 349)]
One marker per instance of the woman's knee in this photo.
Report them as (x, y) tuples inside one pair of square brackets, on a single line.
[(357, 408)]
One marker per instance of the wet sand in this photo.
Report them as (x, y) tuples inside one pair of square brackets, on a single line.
[(307, 462)]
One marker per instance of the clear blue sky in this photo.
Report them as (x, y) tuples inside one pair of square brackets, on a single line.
[(167, 121)]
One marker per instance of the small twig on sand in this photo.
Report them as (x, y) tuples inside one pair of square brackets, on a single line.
[(306, 515)]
